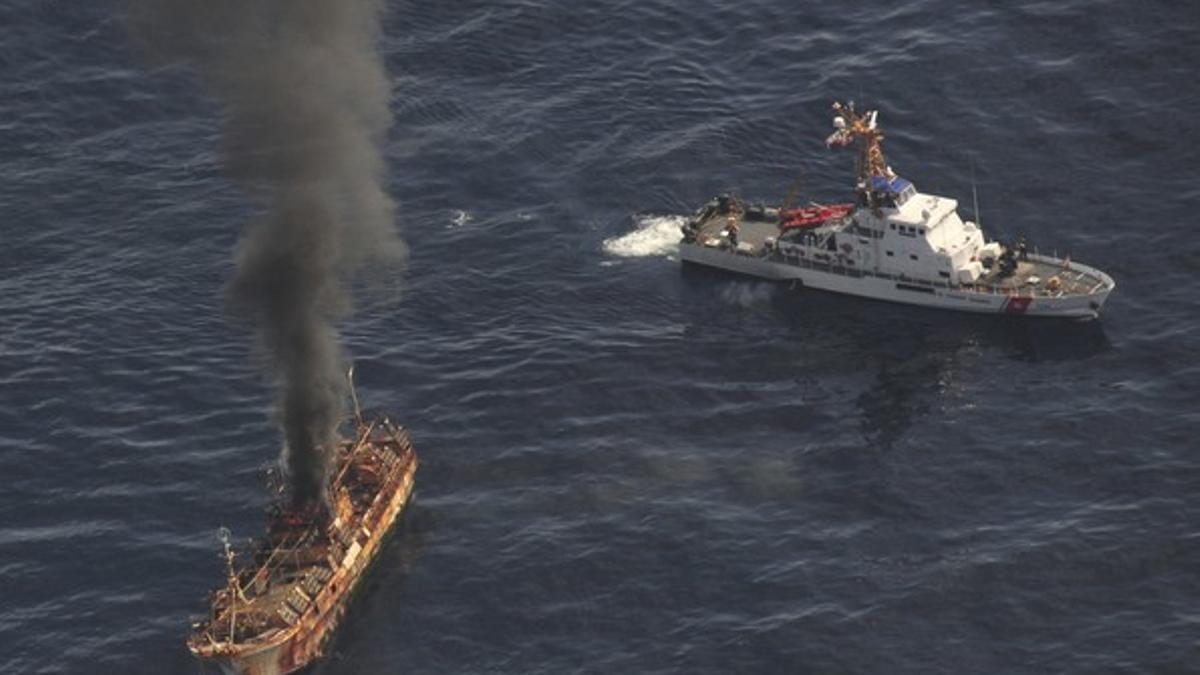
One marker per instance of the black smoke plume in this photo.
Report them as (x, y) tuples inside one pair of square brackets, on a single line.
[(304, 97)]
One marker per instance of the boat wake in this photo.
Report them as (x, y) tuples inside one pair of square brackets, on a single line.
[(654, 236), (748, 294)]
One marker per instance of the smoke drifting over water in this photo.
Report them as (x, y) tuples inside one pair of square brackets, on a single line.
[(305, 101)]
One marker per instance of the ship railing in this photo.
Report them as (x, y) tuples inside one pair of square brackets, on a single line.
[(854, 272), (991, 289), (799, 261)]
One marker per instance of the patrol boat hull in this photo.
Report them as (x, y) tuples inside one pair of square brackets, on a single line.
[(891, 288)]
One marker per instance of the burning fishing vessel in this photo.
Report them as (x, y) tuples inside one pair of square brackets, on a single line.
[(278, 611), (892, 243)]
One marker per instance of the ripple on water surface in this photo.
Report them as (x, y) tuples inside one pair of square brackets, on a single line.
[(626, 465)]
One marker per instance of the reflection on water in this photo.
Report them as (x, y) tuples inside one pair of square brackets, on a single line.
[(1053, 339), (912, 357)]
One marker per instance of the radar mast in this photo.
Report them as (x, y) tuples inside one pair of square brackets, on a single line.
[(863, 129)]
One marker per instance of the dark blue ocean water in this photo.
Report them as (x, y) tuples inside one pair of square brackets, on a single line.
[(629, 467)]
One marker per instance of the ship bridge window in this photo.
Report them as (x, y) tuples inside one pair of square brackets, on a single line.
[(865, 231)]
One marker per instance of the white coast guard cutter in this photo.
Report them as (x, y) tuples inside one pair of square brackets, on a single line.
[(893, 243)]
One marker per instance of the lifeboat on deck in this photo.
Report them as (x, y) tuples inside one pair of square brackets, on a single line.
[(812, 216)]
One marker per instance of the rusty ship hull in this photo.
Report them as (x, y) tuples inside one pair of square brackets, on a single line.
[(278, 614)]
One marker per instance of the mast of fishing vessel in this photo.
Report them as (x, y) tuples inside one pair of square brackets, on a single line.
[(358, 418), (234, 589)]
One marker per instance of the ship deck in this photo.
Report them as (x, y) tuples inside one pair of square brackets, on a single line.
[(753, 234), (282, 578), (301, 557)]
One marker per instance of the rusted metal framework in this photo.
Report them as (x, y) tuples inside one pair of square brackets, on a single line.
[(276, 614)]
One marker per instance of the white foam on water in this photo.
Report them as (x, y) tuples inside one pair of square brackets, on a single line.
[(748, 294), (654, 236)]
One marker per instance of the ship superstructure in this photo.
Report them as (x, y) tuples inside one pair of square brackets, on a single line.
[(892, 243), (278, 611)]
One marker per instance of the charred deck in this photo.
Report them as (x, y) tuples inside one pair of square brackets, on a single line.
[(276, 614)]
